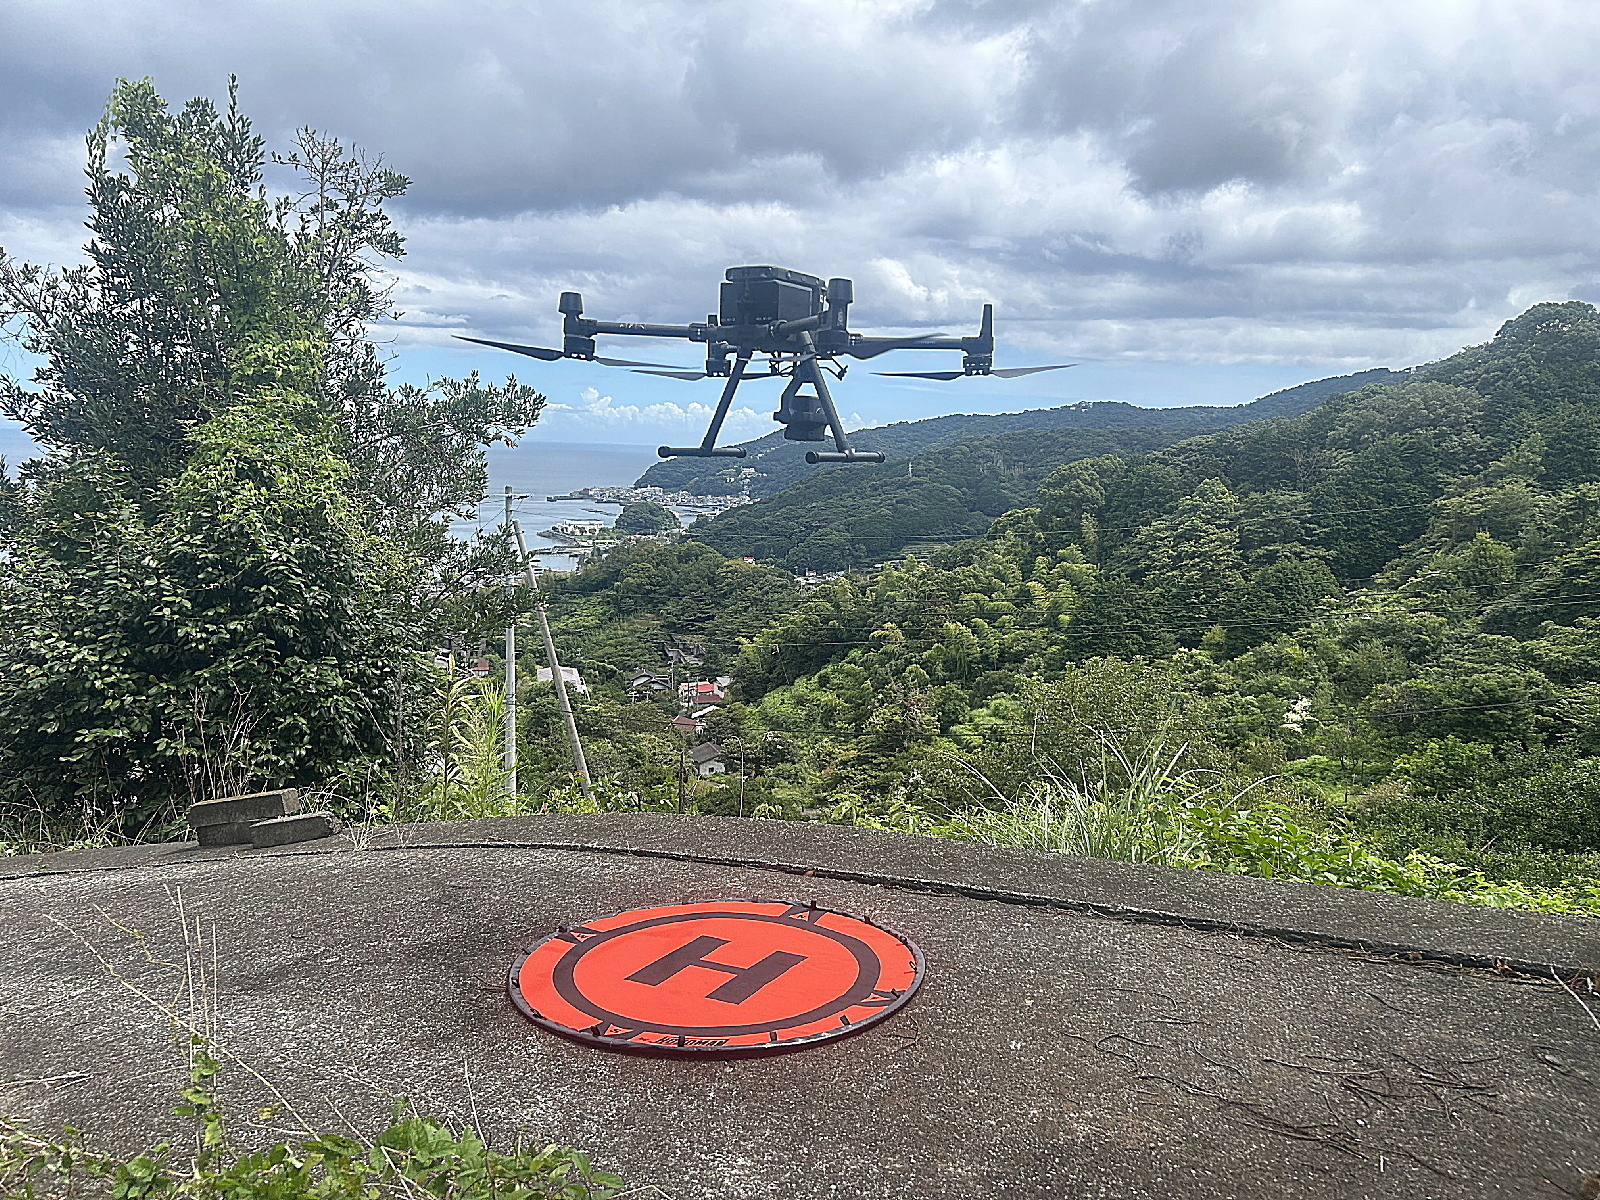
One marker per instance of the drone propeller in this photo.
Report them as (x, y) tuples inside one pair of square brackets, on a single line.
[(553, 355), (1003, 372), (702, 374), (530, 351), (626, 362), (1018, 372)]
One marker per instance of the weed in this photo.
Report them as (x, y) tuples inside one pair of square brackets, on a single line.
[(413, 1157)]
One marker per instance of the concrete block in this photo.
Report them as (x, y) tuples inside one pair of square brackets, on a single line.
[(225, 833), (258, 806), (284, 831)]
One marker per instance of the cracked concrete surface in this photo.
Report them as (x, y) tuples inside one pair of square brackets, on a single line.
[(1086, 1029)]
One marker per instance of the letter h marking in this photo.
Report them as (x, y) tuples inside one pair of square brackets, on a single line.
[(746, 981)]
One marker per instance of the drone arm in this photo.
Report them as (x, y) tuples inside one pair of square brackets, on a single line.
[(862, 346), (579, 330), (694, 333), (979, 350), (803, 325)]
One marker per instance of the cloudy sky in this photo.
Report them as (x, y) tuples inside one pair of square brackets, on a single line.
[(1197, 202)]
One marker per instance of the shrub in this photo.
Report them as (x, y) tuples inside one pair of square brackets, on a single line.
[(1147, 805), (1543, 800)]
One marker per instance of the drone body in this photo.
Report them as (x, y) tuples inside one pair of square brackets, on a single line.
[(801, 326)]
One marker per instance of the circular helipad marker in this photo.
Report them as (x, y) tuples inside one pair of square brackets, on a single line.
[(722, 977)]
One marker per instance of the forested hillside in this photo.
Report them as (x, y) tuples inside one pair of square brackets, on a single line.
[(777, 464), (831, 520), (1384, 612)]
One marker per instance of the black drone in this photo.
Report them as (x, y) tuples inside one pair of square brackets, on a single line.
[(800, 324)]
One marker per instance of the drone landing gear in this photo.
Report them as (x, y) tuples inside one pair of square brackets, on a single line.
[(804, 415), (709, 448), (821, 456)]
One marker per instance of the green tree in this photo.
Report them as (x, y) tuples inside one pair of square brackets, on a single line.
[(647, 517), (222, 571)]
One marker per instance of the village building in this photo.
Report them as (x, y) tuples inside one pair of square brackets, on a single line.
[(580, 528), (707, 759), (642, 685), (679, 655), (701, 691), (569, 676)]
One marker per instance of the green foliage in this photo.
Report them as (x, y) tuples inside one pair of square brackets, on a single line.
[(1151, 804), (413, 1156), (1543, 800), (462, 772), (615, 611), (1384, 599), (836, 519), (237, 628), (647, 517), (224, 571)]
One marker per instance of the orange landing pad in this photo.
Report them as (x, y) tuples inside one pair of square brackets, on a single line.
[(720, 977)]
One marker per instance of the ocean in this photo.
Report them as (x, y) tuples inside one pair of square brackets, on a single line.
[(539, 469)]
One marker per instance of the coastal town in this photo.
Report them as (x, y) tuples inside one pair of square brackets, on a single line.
[(655, 495), (582, 538)]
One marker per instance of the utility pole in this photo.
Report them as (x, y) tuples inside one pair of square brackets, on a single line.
[(683, 768), (556, 677), (511, 678)]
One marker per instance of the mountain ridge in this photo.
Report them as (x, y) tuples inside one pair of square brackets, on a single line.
[(779, 464), (827, 520)]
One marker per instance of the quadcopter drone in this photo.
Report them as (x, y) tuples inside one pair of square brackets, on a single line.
[(799, 325)]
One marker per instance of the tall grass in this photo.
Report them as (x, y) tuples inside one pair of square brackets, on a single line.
[(1130, 803), (464, 761), (1145, 803)]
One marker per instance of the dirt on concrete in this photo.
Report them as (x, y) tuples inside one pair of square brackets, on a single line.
[(1086, 1028)]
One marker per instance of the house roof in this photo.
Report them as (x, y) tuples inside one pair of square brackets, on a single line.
[(706, 752)]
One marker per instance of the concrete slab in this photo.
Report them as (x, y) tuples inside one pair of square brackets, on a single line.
[(287, 831), (224, 833), (1063, 1044), (257, 806), (1457, 934)]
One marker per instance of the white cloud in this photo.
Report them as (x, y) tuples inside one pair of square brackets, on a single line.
[(594, 409), (1244, 181)]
